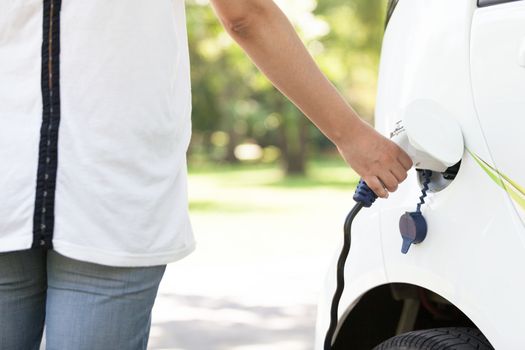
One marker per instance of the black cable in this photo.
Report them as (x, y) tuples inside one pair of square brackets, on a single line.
[(340, 275)]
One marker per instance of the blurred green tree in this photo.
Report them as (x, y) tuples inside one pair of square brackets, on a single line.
[(234, 104)]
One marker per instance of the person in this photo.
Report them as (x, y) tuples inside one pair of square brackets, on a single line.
[(95, 106)]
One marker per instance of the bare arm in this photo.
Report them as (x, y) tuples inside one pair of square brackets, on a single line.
[(266, 35)]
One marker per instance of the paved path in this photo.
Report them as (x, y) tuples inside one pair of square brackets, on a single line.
[(250, 287)]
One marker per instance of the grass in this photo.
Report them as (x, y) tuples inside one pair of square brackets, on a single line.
[(242, 188), (254, 189), (331, 172)]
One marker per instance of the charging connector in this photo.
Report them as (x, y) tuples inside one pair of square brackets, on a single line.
[(413, 229)]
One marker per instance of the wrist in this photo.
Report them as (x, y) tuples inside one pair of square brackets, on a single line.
[(346, 130)]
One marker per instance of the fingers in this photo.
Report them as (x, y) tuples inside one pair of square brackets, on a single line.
[(399, 172), (376, 185), (390, 181), (396, 172), (405, 160), (382, 164)]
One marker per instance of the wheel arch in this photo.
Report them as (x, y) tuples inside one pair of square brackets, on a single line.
[(388, 309)]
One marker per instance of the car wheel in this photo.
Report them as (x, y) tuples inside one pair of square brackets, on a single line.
[(437, 339)]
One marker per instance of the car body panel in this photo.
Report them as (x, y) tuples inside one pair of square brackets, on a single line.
[(474, 252), (498, 83)]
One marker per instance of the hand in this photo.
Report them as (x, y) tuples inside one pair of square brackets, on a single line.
[(382, 164)]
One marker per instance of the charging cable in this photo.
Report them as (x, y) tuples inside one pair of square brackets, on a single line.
[(364, 198), (413, 228)]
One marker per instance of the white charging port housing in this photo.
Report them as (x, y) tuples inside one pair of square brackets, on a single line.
[(430, 136)]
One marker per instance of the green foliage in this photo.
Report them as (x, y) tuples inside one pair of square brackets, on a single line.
[(351, 55), (231, 96)]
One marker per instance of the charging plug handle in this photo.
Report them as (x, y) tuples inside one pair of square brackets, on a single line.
[(364, 195)]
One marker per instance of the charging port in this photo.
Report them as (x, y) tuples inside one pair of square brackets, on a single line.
[(440, 181), (452, 172)]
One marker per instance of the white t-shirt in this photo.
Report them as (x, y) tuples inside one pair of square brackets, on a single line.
[(95, 107)]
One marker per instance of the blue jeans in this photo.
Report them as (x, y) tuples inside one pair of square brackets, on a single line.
[(84, 306)]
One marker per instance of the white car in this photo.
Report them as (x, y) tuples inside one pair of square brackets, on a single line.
[(463, 287)]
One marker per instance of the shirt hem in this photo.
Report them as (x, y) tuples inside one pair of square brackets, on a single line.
[(11, 245), (118, 259)]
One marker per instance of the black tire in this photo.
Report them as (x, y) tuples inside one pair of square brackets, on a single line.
[(438, 339)]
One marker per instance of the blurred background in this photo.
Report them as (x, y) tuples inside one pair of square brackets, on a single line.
[(268, 192)]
